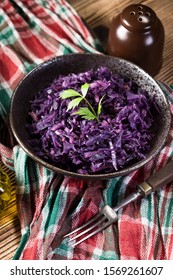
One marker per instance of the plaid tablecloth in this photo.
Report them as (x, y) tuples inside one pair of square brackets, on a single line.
[(50, 205)]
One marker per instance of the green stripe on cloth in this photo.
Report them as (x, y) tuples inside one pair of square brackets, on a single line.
[(5, 100), (6, 36)]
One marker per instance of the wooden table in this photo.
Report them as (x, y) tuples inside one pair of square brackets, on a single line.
[(98, 15)]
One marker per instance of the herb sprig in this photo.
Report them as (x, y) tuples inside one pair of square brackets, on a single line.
[(88, 112)]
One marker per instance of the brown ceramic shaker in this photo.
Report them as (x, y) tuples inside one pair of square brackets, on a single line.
[(137, 35)]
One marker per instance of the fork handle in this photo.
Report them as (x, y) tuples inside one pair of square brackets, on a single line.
[(158, 179)]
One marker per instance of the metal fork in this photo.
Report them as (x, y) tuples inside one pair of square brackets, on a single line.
[(107, 215)]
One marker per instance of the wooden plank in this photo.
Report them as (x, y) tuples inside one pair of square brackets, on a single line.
[(98, 15)]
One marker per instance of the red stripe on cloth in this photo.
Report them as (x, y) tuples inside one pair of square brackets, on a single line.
[(82, 27), (157, 248), (31, 252), (74, 21), (55, 24), (41, 13), (5, 4), (11, 68), (36, 47), (130, 239), (29, 40), (56, 28), (6, 153), (170, 247), (77, 20), (7, 67)]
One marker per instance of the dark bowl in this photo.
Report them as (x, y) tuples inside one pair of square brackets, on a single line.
[(45, 73)]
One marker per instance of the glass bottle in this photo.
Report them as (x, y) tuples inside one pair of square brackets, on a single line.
[(5, 192)]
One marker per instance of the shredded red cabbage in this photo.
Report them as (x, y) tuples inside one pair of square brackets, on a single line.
[(121, 137)]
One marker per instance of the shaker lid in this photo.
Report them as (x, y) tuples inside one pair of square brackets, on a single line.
[(137, 17)]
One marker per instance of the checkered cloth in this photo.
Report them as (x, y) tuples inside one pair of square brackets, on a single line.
[(50, 205)]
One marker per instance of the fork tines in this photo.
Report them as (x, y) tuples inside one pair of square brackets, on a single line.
[(96, 224)]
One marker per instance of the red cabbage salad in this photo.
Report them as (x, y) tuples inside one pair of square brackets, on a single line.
[(108, 130)]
